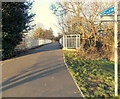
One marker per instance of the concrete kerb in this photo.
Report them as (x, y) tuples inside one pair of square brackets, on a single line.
[(73, 77)]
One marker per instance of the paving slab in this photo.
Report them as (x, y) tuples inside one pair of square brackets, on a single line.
[(39, 72)]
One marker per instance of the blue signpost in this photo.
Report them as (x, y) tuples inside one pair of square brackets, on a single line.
[(115, 19), (108, 11)]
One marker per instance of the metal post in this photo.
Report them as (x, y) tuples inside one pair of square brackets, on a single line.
[(63, 41), (115, 49), (76, 41), (79, 40), (66, 42)]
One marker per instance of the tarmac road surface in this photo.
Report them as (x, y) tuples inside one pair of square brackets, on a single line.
[(38, 72)]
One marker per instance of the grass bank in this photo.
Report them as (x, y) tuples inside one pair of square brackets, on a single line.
[(94, 77)]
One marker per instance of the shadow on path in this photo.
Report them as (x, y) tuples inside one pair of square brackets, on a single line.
[(24, 78)]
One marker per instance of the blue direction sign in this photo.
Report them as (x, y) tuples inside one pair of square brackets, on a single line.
[(108, 11)]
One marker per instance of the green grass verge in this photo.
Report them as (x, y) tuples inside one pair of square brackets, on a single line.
[(94, 77)]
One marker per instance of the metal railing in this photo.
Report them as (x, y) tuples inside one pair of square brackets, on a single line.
[(28, 43)]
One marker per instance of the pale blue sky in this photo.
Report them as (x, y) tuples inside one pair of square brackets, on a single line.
[(44, 15)]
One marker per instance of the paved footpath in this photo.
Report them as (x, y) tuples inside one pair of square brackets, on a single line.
[(39, 72)]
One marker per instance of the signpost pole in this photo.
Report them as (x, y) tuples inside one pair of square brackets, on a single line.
[(116, 18), (116, 49)]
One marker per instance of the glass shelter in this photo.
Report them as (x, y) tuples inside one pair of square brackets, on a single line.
[(70, 41)]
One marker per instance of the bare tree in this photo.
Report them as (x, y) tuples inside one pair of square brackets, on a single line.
[(82, 17)]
